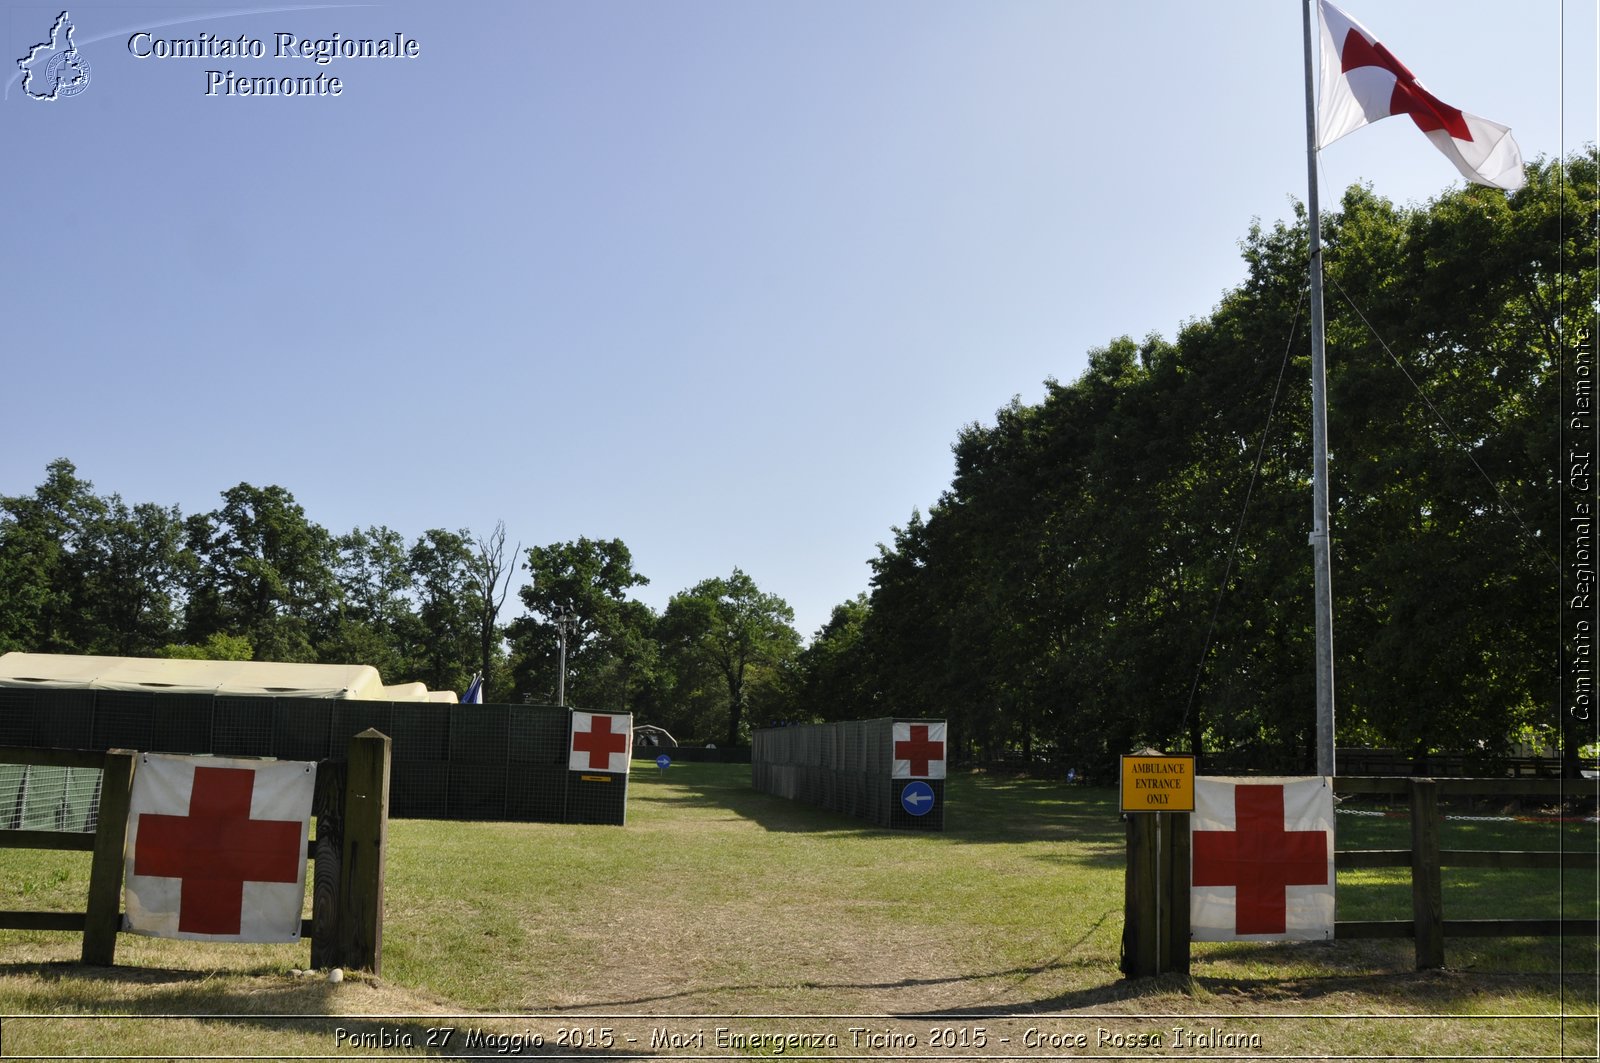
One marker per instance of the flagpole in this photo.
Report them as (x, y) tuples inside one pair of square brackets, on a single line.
[(1320, 543)]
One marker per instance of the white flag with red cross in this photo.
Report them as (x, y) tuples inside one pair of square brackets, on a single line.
[(919, 751), (601, 742), (1261, 853), (217, 848), (1362, 82)]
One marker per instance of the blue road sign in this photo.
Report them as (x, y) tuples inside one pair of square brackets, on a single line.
[(663, 762), (917, 798)]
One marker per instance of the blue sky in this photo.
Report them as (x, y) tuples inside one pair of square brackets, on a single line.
[(721, 278)]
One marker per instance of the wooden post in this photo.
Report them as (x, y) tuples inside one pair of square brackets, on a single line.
[(1141, 930), (364, 853), (1427, 892), (103, 919), (328, 807), (1175, 891)]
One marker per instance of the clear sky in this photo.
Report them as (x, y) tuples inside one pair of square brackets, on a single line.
[(721, 278)]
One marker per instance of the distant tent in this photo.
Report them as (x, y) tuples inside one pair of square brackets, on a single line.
[(357, 682), (650, 735)]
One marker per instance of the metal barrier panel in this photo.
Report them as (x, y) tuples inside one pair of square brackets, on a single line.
[(596, 797), (18, 720), (418, 732), (350, 718), (450, 761), (239, 727), (419, 750), (124, 721), (52, 719), (182, 723), (536, 788), (300, 729), (479, 748), (846, 767)]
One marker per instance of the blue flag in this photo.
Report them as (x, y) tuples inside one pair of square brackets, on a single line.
[(474, 694)]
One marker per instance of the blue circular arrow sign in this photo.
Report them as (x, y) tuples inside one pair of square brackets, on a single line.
[(917, 798), (663, 762)]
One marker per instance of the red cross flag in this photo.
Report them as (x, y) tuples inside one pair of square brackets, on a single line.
[(1363, 82), (1262, 858), (217, 848), (601, 742), (918, 751)]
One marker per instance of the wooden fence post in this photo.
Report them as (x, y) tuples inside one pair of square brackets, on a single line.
[(103, 917), (364, 853), (1141, 930), (1175, 891), (328, 807), (1155, 933), (1427, 892)]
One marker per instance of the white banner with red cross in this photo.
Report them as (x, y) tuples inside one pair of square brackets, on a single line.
[(919, 751), (601, 742), (1261, 853), (217, 848)]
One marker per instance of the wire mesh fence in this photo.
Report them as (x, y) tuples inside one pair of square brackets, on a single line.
[(37, 797)]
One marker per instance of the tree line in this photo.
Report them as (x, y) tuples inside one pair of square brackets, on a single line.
[(1093, 582), (256, 579), (1121, 564)]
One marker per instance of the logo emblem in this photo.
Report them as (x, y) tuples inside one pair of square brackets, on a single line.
[(55, 69)]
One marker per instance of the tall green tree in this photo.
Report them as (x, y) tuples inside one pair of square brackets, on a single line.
[(1093, 579), (834, 673), (739, 631), (611, 652), (263, 570), (132, 578), (46, 555), (441, 566), (377, 623)]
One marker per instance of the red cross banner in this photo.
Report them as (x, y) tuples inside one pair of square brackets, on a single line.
[(217, 848), (918, 750), (1262, 857), (601, 742), (1363, 82)]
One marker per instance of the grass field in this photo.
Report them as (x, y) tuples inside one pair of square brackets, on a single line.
[(718, 906)]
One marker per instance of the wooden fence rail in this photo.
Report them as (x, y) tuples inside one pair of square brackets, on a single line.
[(1156, 934), (350, 853), (1426, 858)]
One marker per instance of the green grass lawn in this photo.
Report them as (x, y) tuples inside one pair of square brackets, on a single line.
[(715, 900)]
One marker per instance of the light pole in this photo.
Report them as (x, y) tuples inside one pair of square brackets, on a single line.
[(565, 618)]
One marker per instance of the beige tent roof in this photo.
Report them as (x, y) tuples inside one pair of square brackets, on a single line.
[(259, 678)]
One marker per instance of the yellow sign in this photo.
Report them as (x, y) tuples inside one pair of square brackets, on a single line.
[(1158, 783)]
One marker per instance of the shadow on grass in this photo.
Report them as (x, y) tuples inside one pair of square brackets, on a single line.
[(770, 813), (1285, 981), (980, 808), (899, 983), (276, 1004), (1299, 977)]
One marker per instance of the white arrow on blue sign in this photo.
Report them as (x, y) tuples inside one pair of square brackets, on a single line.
[(917, 798), (663, 762)]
